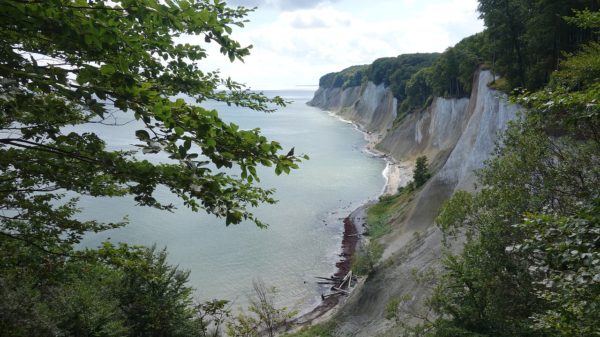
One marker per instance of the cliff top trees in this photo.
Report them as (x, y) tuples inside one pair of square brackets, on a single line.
[(531, 264), (528, 38), (393, 72)]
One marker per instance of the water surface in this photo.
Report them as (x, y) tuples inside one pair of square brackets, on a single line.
[(305, 230)]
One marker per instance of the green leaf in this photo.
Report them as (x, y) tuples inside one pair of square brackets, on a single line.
[(108, 69), (142, 135)]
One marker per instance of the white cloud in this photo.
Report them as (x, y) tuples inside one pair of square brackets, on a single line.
[(297, 47), (279, 4)]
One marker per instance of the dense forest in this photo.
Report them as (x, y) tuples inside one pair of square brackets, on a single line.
[(523, 44), (531, 262)]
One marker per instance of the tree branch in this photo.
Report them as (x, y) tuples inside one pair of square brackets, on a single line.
[(46, 148)]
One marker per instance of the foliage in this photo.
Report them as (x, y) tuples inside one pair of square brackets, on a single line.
[(66, 65), (388, 209), (114, 291), (453, 214), (527, 38), (102, 62), (421, 172), (392, 309), (349, 77), (451, 75), (418, 90), (82, 304), (211, 316), (528, 267), (155, 298), (393, 72), (564, 256), (364, 262), (265, 317)]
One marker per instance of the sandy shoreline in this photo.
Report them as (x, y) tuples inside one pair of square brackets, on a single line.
[(396, 175)]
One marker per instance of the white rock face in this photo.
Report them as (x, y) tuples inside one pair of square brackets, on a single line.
[(457, 135), (370, 106), (447, 117), (490, 116), (432, 132)]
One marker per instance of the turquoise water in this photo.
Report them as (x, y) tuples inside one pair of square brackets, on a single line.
[(305, 230)]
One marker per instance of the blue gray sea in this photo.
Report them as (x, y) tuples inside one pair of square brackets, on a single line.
[(305, 226)]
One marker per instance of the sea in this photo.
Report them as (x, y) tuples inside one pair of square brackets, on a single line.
[(303, 240)]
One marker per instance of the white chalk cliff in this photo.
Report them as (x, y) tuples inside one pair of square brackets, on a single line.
[(457, 136), (370, 106)]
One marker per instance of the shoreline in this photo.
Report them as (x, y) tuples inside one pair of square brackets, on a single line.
[(395, 177), (396, 173), (350, 240)]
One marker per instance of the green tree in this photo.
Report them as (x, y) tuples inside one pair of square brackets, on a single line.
[(155, 297), (407, 66), (74, 62), (505, 22), (364, 262), (528, 267), (528, 38), (421, 172), (418, 90), (69, 64), (264, 317)]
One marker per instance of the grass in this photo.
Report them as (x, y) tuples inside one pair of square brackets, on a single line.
[(389, 208), (392, 309)]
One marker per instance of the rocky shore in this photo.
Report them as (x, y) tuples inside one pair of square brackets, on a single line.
[(396, 175), (350, 239)]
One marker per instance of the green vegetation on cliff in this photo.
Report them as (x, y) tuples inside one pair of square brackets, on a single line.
[(414, 78), (531, 261), (349, 77), (523, 43), (393, 72)]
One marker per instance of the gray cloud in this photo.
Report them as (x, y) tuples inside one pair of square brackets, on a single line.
[(313, 21), (279, 4), (308, 23)]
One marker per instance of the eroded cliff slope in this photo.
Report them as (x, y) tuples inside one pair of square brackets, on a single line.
[(457, 136)]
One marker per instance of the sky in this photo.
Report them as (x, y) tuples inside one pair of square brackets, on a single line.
[(297, 41)]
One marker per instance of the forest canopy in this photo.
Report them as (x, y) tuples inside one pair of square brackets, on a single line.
[(523, 43), (531, 262)]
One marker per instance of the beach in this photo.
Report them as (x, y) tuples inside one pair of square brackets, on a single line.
[(396, 174)]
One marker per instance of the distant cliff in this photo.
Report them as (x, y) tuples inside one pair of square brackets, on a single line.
[(372, 107), (457, 135)]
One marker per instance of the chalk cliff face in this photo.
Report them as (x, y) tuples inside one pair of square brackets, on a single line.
[(457, 136), (433, 132), (490, 113), (370, 106)]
